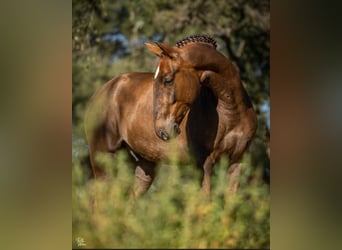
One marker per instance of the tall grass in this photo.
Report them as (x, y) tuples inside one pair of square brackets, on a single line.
[(173, 213)]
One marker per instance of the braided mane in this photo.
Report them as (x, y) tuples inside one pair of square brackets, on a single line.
[(196, 39)]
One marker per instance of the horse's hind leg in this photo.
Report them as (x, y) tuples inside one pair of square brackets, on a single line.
[(144, 176), (98, 172), (99, 146)]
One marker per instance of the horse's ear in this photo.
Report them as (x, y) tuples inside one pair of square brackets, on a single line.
[(160, 49), (154, 48), (167, 50)]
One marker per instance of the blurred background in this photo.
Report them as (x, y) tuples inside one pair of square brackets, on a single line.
[(36, 131), (108, 40)]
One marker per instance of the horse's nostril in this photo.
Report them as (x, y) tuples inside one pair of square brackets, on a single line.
[(163, 135), (176, 128)]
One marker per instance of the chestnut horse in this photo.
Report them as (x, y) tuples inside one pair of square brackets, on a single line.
[(195, 97)]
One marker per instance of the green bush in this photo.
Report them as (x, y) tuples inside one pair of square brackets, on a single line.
[(173, 213)]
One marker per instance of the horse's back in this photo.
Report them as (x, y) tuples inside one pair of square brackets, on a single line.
[(107, 108)]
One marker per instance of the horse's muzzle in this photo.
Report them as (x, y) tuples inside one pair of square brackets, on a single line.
[(163, 135), (174, 130)]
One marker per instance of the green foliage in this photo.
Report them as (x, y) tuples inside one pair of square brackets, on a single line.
[(173, 213)]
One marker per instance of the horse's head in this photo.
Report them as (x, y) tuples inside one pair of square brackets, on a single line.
[(175, 85)]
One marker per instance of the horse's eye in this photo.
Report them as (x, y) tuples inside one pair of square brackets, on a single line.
[(168, 82)]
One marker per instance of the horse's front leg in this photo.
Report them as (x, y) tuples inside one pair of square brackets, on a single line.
[(144, 176), (233, 177), (235, 166)]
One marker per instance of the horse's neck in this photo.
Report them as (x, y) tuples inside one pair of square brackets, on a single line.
[(232, 97), (223, 78)]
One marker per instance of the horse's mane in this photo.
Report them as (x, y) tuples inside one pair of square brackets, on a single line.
[(196, 39)]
